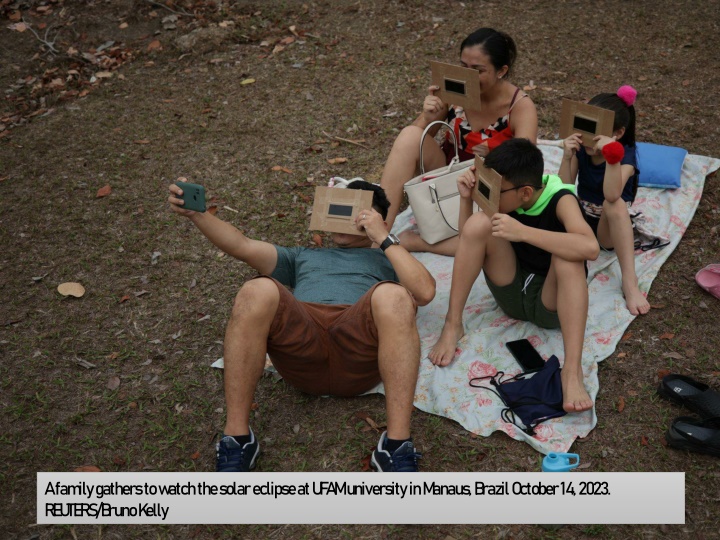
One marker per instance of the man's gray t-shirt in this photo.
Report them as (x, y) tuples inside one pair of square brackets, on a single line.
[(331, 275)]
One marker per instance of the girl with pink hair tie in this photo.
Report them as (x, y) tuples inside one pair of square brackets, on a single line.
[(607, 178)]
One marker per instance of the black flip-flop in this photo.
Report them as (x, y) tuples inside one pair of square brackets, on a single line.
[(696, 396), (695, 435)]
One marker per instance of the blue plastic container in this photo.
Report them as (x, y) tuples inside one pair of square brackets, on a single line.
[(555, 462)]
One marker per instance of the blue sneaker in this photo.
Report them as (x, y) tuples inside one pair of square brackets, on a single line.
[(231, 457), (404, 459)]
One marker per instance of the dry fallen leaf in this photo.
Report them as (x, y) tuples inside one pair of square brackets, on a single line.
[(337, 160), (123, 26), (124, 299), (673, 355), (143, 141), (621, 404), (365, 463), (88, 468), (283, 169), (113, 383), (103, 74), (254, 406), (71, 289), (317, 240), (212, 210), (154, 46), (644, 440), (667, 335), (196, 455), (104, 191), (117, 460), (626, 336), (529, 87), (622, 355), (245, 82), (662, 373)]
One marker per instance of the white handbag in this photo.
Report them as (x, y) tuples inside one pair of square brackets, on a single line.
[(434, 196)]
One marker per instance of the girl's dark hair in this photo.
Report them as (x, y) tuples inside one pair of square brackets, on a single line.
[(497, 45), (380, 201), (624, 115)]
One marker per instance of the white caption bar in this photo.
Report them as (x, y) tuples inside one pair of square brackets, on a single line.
[(358, 498)]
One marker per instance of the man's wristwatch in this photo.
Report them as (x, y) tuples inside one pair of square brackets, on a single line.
[(391, 240)]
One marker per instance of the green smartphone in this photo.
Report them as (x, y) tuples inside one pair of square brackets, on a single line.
[(193, 195)]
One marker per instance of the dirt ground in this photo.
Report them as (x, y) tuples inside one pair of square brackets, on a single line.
[(120, 379)]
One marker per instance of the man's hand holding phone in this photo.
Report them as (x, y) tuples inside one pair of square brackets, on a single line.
[(185, 199)]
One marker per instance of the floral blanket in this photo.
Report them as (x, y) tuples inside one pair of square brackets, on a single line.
[(446, 392)]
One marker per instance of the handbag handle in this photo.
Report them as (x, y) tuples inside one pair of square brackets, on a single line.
[(456, 159), (436, 200)]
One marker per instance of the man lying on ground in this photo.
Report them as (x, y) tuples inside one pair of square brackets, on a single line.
[(349, 324)]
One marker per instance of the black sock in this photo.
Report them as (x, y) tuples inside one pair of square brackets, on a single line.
[(393, 444), (240, 439)]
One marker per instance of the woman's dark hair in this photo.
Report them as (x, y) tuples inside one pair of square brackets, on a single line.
[(497, 45), (519, 161), (624, 115), (380, 200)]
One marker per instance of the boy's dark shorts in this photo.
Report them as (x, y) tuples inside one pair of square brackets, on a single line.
[(527, 305), (325, 349)]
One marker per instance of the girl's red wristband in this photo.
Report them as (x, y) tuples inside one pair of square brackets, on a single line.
[(613, 152)]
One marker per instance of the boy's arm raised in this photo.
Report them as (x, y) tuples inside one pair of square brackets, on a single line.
[(262, 256), (577, 244)]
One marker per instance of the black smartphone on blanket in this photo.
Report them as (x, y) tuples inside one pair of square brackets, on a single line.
[(526, 355)]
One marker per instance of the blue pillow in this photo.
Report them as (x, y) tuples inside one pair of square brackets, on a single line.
[(660, 166)]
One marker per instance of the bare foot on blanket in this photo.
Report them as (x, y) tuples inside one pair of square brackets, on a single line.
[(575, 397), (635, 299), (412, 241), (444, 350)]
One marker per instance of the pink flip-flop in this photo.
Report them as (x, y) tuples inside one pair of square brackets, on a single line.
[(709, 279)]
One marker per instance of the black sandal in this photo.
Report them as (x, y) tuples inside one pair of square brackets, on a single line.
[(695, 435), (695, 395)]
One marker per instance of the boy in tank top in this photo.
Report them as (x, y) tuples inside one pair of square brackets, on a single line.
[(533, 253)]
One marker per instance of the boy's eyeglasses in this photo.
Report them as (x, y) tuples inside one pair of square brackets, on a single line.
[(518, 187)]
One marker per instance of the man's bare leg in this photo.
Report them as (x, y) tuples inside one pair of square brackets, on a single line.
[(565, 291), (393, 312), (245, 349), (477, 250), (615, 231)]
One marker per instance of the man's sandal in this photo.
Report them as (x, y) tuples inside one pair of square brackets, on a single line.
[(695, 435), (694, 395)]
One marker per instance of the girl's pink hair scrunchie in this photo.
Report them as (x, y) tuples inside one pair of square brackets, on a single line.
[(628, 94)]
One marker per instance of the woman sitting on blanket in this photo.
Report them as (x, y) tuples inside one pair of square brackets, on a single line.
[(506, 112), (607, 177)]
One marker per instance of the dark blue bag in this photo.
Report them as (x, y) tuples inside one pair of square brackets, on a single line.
[(532, 397)]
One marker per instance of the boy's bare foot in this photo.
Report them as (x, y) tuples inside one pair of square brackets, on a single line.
[(444, 350), (635, 300), (575, 397), (412, 241)]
